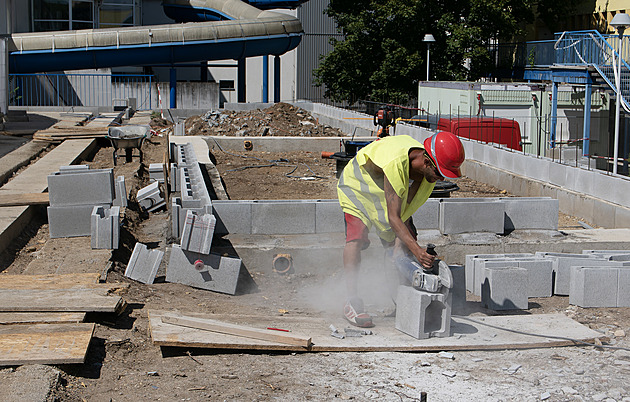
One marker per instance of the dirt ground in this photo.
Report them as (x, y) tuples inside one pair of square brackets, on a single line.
[(123, 365)]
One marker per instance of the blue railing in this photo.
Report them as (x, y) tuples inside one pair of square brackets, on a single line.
[(74, 90), (586, 48)]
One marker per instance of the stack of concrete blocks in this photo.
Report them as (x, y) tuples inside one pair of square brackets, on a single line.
[(150, 198), (73, 192), (191, 262), (583, 277), (191, 186), (562, 263), (422, 314), (105, 227), (143, 264), (156, 172)]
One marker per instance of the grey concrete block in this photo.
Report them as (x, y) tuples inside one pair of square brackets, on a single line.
[(283, 217), (175, 184), (470, 268), (197, 233), (150, 197), (421, 314), (539, 276), (120, 192), (562, 263), (594, 286), (233, 216), (89, 187), (328, 217), (612, 255), (156, 172), (73, 168), (471, 216), (427, 216), (105, 228), (480, 264), (458, 292), (530, 213), (210, 272), (70, 221), (623, 287), (143, 264), (504, 288)]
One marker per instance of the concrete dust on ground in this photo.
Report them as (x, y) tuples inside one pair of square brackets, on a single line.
[(123, 365)]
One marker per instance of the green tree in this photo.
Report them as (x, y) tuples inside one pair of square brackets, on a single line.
[(382, 55)]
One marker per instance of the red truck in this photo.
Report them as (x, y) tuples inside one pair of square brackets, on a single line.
[(487, 129)]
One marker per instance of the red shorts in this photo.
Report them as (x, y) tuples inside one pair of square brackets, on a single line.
[(356, 230)]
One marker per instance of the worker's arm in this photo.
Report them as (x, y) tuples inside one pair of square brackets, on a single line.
[(394, 208)]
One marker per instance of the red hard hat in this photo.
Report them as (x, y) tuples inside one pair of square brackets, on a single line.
[(447, 151)]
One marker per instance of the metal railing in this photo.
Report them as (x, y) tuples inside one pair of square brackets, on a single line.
[(74, 90)]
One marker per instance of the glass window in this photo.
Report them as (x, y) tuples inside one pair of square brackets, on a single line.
[(56, 15), (51, 10), (117, 13)]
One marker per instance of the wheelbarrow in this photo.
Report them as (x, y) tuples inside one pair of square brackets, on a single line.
[(127, 138)]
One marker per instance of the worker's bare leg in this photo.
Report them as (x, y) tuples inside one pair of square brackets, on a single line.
[(351, 264)]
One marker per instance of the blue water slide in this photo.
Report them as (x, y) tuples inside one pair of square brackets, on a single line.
[(241, 31)]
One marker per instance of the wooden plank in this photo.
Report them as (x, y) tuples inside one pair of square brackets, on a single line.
[(77, 300), (52, 281), (44, 343), (483, 333), (237, 330), (40, 318), (16, 200)]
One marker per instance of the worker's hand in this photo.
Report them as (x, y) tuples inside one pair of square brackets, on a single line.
[(425, 259)]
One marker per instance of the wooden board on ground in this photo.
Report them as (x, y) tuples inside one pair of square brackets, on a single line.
[(468, 333), (77, 300), (50, 281), (17, 200), (237, 330), (44, 343), (40, 318)]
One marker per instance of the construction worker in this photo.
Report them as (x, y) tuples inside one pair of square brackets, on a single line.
[(381, 187)]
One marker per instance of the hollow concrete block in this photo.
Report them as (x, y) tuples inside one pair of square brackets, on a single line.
[(594, 286), (470, 268), (427, 216), (530, 213), (471, 216), (143, 264), (504, 288), (120, 192), (458, 291), (623, 287), (539, 276), (70, 221), (422, 314), (328, 217), (150, 197), (105, 228), (232, 216), (73, 168), (81, 187), (197, 233), (283, 217), (156, 172), (562, 263), (210, 272)]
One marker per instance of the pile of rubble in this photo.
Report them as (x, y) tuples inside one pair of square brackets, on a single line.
[(279, 120)]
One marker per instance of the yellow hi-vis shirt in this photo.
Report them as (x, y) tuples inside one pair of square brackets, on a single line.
[(361, 191)]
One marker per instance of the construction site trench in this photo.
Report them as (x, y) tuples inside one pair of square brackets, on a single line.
[(123, 364)]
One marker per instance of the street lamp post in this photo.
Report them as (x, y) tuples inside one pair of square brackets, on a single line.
[(428, 38), (620, 22)]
